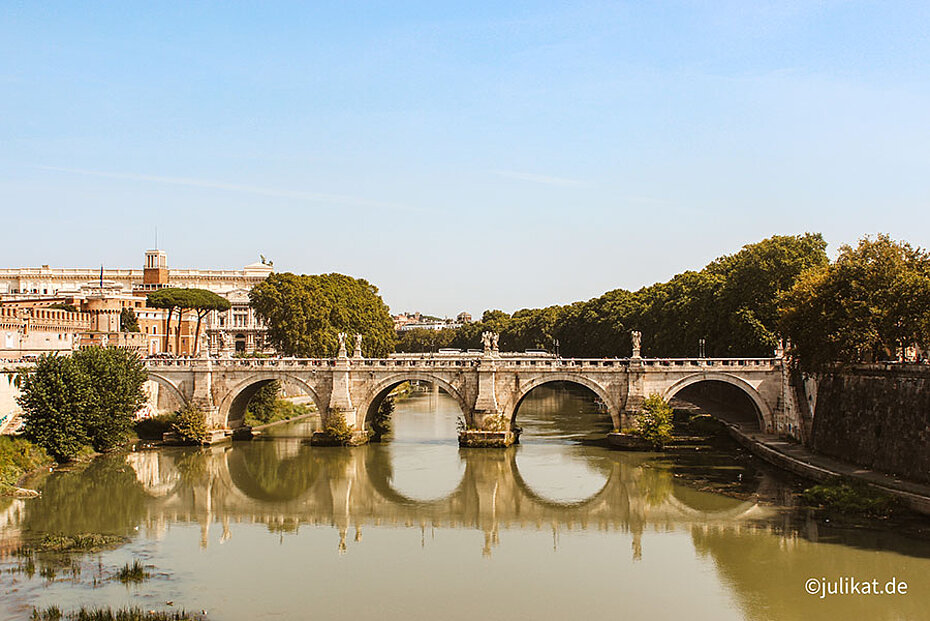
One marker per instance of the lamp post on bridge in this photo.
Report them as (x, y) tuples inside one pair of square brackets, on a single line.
[(701, 343)]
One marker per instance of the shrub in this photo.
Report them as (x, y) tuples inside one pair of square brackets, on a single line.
[(654, 422), (190, 424), (338, 430)]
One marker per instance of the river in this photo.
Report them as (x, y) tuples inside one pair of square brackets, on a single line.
[(415, 528)]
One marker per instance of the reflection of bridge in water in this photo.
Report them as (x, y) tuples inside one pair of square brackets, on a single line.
[(286, 484)]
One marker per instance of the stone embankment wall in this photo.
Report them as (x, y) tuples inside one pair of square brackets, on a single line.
[(876, 416)]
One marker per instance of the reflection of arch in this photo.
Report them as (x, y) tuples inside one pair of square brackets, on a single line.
[(568, 378), (541, 500), (172, 389), (690, 502), (284, 480), (375, 395), (762, 410), (232, 407), (379, 469)]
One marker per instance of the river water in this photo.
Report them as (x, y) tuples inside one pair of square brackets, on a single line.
[(415, 528)]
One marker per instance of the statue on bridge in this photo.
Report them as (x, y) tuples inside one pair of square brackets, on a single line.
[(637, 338), (358, 346), (489, 340), (342, 345)]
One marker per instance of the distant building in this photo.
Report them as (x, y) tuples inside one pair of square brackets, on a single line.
[(103, 293), (414, 321)]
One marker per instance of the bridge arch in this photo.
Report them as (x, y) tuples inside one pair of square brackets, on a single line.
[(763, 412), (510, 410), (376, 394), (233, 406), (172, 389)]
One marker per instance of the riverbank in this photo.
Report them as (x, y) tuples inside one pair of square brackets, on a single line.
[(801, 461), (18, 459)]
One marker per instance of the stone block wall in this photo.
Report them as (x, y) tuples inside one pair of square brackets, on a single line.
[(876, 416)]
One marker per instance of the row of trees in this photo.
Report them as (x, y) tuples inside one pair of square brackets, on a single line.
[(86, 399), (870, 304), (732, 304)]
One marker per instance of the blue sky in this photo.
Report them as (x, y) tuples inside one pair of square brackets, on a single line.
[(493, 154)]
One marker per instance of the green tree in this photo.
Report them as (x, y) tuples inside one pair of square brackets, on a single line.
[(89, 398), (117, 377), (420, 340), (304, 314), (654, 421), (870, 304), (53, 400), (128, 322)]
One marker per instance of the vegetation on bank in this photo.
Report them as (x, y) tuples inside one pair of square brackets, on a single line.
[(190, 424), (851, 498), (54, 613), (654, 422), (86, 399), (267, 406), (80, 542), (18, 457)]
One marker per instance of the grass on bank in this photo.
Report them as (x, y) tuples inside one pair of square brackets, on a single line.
[(54, 613), (19, 457), (851, 498), (81, 542)]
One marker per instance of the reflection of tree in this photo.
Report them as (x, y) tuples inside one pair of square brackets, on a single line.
[(655, 484), (104, 497), (766, 573)]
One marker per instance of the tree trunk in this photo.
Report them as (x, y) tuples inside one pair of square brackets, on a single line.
[(168, 328), (177, 336), (200, 316)]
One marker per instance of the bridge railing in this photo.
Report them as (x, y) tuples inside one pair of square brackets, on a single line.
[(462, 362)]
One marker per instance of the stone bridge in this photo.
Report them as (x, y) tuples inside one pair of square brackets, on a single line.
[(488, 387)]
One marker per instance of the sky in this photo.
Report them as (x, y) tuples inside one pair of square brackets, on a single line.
[(459, 156)]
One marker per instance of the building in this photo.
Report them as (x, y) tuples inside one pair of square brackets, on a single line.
[(419, 321), (103, 294)]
